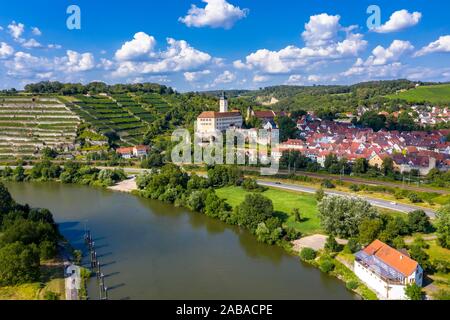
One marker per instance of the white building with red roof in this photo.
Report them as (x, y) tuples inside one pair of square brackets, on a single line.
[(209, 122), (387, 271)]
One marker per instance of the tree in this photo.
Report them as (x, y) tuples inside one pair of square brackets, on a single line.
[(255, 209), (297, 215), (361, 166), (443, 226), (369, 229), (320, 194), (18, 264), (422, 258), (331, 245), (288, 128), (6, 201), (413, 292), (373, 120), (307, 254), (387, 167), (353, 245), (341, 216), (418, 221), (19, 174), (49, 153)]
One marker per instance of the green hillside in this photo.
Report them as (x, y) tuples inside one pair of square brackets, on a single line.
[(437, 94)]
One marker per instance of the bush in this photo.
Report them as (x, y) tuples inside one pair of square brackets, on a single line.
[(331, 245), (328, 184), (308, 254), (49, 295), (418, 221), (355, 188), (326, 265), (414, 198), (352, 285), (353, 245)]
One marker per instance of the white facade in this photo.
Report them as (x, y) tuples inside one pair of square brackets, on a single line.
[(384, 288), (211, 122)]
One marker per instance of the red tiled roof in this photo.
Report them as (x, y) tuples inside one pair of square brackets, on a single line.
[(393, 258), (125, 150), (213, 114)]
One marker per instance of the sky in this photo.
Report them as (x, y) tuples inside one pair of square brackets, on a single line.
[(197, 45)]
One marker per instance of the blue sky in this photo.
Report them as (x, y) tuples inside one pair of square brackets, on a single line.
[(223, 44)]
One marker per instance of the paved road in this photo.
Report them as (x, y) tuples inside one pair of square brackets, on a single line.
[(363, 181), (400, 207)]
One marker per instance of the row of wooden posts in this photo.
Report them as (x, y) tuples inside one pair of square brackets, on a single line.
[(96, 266)]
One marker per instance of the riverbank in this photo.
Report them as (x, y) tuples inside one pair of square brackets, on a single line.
[(141, 241), (340, 271)]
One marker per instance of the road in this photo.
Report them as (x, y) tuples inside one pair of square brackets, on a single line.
[(400, 207), (362, 181)]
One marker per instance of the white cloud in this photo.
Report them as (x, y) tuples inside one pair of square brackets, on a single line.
[(295, 79), (26, 66), (16, 29), (142, 45), (32, 43), (5, 50), (105, 64), (260, 78), (36, 31), (54, 46), (216, 14), (399, 20), (178, 56), (195, 76), (76, 62), (382, 56), (382, 62), (440, 45), (322, 36), (321, 30), (225, 77)]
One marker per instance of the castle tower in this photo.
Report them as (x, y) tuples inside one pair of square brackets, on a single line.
[(223, 103)]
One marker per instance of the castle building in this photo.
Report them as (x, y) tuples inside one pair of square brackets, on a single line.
[(212, 121)]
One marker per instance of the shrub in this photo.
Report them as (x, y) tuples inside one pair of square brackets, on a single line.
[(332, 245), (326, 265), (354, 188), (49, 295), (352, 285), (414, 198), (418, 221), (308, 254), (353, 245), (328, 184)]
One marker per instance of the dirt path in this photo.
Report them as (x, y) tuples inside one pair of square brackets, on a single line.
[(125, 186)]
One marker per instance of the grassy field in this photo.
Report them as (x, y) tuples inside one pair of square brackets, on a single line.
[(284, 202), (434, 94), (52, 280)]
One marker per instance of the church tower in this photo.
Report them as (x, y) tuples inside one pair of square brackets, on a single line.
[(223, 103)]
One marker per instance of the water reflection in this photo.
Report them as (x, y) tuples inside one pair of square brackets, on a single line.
[(151, 250)]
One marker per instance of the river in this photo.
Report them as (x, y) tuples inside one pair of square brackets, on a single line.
[(151, 250)]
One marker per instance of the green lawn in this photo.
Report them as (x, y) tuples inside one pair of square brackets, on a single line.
[(433, 94), (284, 202)]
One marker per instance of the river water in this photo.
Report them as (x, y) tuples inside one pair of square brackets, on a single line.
[(151, 250)]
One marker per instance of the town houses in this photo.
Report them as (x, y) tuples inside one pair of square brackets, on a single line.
[(415, 150), (386, 270)]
